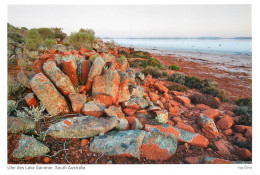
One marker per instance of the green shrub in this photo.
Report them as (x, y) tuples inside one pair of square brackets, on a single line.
[(214, 92), (174, 67), (59, 34), (177, 87), (66, 44), (123, 52), (13, 86), (46, 33), (34, 40), (138, 63), (244, 102), (141, 54), (82, 39), (204, 99), (155, 72), (194, 82), (50, 43), (177, 78), (246, 115)]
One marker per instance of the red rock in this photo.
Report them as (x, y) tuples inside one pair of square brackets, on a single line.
[(225, 123), (82, 51), (129, 111), (104, 99), (182, 99), (223, 147), (174, 103), (52, 51), (177, 120), (211, 113), (243, 153), (84, 142), (75, 52), (208, 126), (241, 128), (47, 93), (85, 68), (160, 86), (37, 66), (184, 127), (69, 67), (93, 109), (46, 160), (202, 107), (173, 109), (107, 84), (248, 133), (115, 111), (166, 96), (192, 160), (239, 137), (176, 93), (170, 122), (66, 53), (130, 120), (154, 97), (77, 101), (228, 132), (124, 94), (31, 100), (163, 100), (81, 88)]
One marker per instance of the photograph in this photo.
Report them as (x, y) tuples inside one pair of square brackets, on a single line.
[(128, 84)]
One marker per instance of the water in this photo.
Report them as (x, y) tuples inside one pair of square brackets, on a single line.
[(218, 46)]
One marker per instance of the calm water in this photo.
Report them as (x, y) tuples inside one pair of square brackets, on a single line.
[(219, 46)]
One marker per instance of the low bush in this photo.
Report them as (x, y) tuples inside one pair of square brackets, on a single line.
[(34, 40), (174, 67), (177, 78), (194, 82), (50, 43), (141, 54), (246, 115), (244, 102), (138, 63), (155, 72), (82, 39), (214, 92), (13, 86), (204, 99), (123, 52), (177, 87)]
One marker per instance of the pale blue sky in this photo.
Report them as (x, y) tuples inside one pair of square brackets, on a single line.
[(138, 20)]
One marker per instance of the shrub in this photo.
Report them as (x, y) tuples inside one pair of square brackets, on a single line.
[(246, 115), (59, 34), (177, 87), (82, 39), (174, 67), (66, 44), (123, 52), (33, 55), (46, 33), (141, 54), (244, 102), (13, 86), (49, 43), (204, 99), (155, 72), (138, 63), (194, 82), (12, 59), (177, 78), (14, 34), (34, 40), (32, 113), (214, 92)]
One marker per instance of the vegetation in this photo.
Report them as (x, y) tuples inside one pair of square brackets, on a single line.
[(15, 34), (141, 54), (122, 59), (177, 87), (59, 34), (214, 92), (13, 86), (93, 57), (204, 99), (177, 78), (50, 43), (244, 102), (123, 52), (34, 40), (154, 71), (244, 110), (174, 67), (83, 38)]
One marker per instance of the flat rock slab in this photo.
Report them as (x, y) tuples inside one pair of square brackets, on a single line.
[(18, 124), (30, 147), (182, 136), (208, 126), (47, 93), (119, 143), (82, 127), (158, 146)]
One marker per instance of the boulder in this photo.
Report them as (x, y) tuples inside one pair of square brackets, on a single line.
[(46, 92), (211, 113), (225, 123), (85, 66), (95, 70), (182, 99), (248, 133), (69, 66), (241, 128), (19, 124), (161, 116), (182, 136), (208, 126), (185, 127), (129, 111), (117, 111), (158, 146), (136, 125), (223, 147), (82, 127), (103, 99), (77, 101), (154, 97), (243, 153), (30, 147), (107, 84), (124, 94), (192, 160), (23, 79), (160, 86), (131, 75), (119, 143), (141, 102), (140, 75), (137, 91), (31, 100), (61, 80), (154, 108), (93, 109)]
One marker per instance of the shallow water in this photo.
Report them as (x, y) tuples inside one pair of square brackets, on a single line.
[(219, 46)]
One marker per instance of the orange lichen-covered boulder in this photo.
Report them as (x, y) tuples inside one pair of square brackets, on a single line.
[(160, 86), (37, 66), (225, 123), (119, 143), (154, 97), (107, 84), (81, 127), (211, 113), (104, 99), (93, 109), (123, 92), (74, 52), (129, 111), (182, 136), (31, 100), (69, 67), (117, 111), (208, 126), (82, 51), (77, 101), (182, 99), (158, 146), (184, 127), (95, 70), (85, 68), (66, 53), (60, 79), (46, 92)]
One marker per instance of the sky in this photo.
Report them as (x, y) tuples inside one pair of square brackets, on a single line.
[(119, 21)]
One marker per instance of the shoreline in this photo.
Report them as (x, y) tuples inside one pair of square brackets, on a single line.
[(232, 76)]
